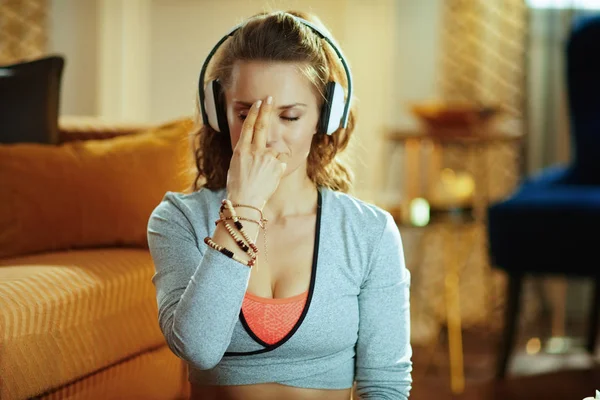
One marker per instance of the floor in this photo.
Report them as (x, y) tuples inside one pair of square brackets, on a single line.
[(431, 370), (482, 302)]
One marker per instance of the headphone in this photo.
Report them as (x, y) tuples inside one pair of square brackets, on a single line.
[(334, 113)]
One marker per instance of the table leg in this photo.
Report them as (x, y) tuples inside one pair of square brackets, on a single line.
[(455, 349)]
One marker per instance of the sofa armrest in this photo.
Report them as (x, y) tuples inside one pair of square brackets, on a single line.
[(93, 128)]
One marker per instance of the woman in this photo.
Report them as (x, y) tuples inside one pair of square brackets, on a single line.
[(319, 299)]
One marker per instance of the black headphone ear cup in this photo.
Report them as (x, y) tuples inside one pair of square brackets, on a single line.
[(326, 109), (219, 98)]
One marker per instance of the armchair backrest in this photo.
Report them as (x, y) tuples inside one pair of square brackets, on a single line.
[(583, 86)]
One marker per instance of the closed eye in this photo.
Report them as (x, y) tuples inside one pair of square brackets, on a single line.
[(242, 117)]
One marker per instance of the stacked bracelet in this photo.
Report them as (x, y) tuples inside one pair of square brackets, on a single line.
[(227, 204), (239, 240), (249, 247), (228, 252), (262, 224)]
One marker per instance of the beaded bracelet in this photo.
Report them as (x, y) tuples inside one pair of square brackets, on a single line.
[(240, 228), (252, 207), (241, 244), (263, 226), (227, 204), (228, 252)]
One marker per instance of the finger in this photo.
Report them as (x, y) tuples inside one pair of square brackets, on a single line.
[(283, 167), (283, 157), (273, 152), (279, 156), (248, 125), (261, 125)]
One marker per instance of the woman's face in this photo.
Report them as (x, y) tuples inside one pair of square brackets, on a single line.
[(295, 113)]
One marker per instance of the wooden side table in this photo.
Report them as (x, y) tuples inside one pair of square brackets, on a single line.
[(424, 158)]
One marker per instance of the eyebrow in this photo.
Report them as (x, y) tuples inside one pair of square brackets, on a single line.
[(285, 107)]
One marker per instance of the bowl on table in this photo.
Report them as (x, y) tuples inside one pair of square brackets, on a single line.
[(462, 119)]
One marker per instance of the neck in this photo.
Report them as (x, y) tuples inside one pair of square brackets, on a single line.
[(295, 195)]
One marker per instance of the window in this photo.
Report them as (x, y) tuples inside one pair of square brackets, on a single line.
[(560, 4)]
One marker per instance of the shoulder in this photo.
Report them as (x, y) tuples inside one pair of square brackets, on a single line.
[(193, 209), (357, 211), (200, 200), (362, 225), (370, 233)]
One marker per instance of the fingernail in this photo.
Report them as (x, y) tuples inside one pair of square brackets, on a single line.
[(269, 100), (258, 103)]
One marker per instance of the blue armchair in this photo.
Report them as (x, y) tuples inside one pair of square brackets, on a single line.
[(551, 224)]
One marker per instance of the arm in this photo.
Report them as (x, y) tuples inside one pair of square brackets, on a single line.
[(383, 352), (199, 290)]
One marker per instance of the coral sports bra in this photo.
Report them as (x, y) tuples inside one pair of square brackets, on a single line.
[(272, 319)]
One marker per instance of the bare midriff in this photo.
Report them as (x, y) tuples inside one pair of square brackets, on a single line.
[(266, 391)]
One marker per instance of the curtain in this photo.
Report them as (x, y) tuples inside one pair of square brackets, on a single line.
[(23, 29), (548, 142), (482, 58)]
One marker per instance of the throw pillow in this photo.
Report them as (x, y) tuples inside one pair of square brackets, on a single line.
[(94, 193)]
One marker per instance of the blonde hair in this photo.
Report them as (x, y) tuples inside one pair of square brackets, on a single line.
[(278, 37)]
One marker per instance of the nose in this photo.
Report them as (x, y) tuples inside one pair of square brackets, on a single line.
[(275, 131)]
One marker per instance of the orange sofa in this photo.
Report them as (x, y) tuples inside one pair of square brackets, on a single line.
[(78, 313)]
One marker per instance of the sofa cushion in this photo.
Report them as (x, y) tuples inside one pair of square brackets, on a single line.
[(92, 193), (67, 314), (156, 374)]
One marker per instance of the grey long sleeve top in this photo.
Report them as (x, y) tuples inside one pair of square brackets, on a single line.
[(355, 325)]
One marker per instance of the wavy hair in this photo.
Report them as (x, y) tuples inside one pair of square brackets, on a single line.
[(276, 37)]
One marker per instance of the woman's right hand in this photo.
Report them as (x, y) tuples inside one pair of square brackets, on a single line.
[(255, 171)]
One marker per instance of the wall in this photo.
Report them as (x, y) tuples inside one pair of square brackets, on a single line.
[(184, 31), (139, 59), (417, 28), (74, 33)]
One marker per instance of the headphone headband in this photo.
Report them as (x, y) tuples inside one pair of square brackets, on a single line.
[(315, 29)]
